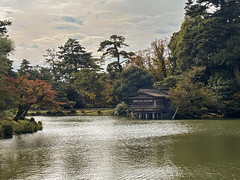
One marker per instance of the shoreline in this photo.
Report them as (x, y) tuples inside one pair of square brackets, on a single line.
[(9, 127), (74, 112)]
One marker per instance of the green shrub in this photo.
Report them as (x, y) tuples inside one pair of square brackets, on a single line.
[(121, 109), (32, 119), (99, 111), (59, 113), (82, 111), (38, 113), (39, 125), (27, 127), (55, 113), (49, 113), (7, 130), (73, 111)]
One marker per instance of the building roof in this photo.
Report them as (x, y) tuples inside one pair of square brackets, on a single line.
[(152, 92)]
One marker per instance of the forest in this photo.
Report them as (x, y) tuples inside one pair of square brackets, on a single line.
[(200, 63)]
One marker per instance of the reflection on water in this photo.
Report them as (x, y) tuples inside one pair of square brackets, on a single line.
[(111, 148)]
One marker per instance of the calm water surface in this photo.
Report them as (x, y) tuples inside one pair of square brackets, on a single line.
[(108, 148)]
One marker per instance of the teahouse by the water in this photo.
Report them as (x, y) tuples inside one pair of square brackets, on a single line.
[(151, 104)]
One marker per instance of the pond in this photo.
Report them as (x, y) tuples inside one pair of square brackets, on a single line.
[(107, 148)]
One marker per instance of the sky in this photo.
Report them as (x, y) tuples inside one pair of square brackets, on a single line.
[(39, 25)]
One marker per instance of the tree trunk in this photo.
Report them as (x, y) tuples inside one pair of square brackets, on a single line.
[(19, 113), (175, 114), (26, 110), (119, 64), (237, 74), (22, 112)]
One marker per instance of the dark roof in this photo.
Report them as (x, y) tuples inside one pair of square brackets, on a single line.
[(152, 92)]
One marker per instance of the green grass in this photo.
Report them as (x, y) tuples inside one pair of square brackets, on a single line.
[(79, 112)]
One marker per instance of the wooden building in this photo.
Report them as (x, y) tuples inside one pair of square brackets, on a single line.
[(151, 104)]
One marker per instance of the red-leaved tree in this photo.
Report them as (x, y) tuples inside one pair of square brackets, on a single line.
[(31, 92)]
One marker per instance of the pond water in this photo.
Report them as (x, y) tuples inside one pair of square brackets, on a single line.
[(108, 148)]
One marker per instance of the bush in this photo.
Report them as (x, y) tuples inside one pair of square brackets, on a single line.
[(32, 119), (38, 113), (170, 81), (56, 113), (121, 109), (82, 111), (39, 125), (60, 113), (193, 97), (26, 126), (73, 111), (7, 130), (49, 113), (29, 127), (99, 111)]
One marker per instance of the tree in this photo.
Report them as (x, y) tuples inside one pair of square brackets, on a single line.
[(212, 39), (132, 79), (73, 58), (67, 95), (209, 36), (228, 90), (227, 11), (169, 81), (192, 45), (154, 59), (140, 59), (91, 84), (6, 47), (6, 95), (111, 49), (52, 59), (113, 70), (3, 26), (159, 52), (31, 92), (192, 96), (44, 73), (109, 99), (35, 72), (25, 68)]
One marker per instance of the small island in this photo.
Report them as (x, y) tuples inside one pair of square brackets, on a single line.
[(9, 127)]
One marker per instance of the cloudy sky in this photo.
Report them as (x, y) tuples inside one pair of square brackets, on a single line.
[(42, 24)]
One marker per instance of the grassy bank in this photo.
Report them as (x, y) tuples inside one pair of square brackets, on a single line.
[(73, 112), (9, 127)]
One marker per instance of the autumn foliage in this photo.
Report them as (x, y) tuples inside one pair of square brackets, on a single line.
[(31, 92)]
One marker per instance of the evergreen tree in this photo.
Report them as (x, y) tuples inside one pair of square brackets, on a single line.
[(91, 84), (25, 68), (6, 47), (132, 79), (209, 36), (73, 58), (111, 49)]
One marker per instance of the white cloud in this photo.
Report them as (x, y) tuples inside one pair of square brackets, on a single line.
[(41, 24)]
